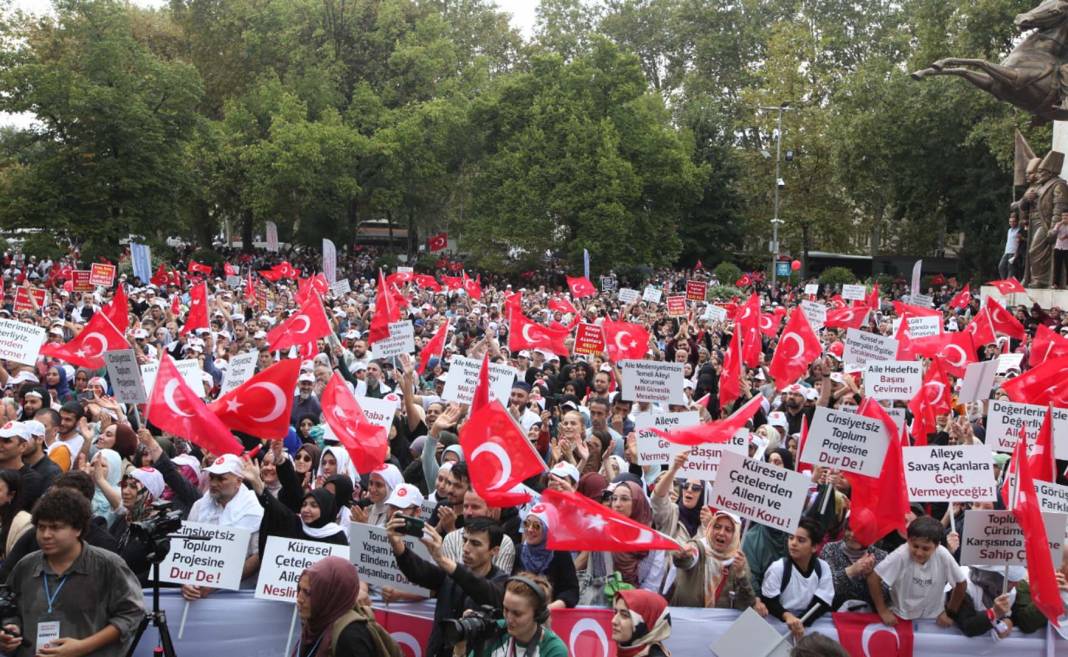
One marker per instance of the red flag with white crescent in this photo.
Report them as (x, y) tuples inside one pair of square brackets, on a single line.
[(175, 408), (719, 431), (197, 317), (261, 405), (435, 347), (585, 631), (307, 325), (580, 287), (88, 347), (500, 455), (577, 523), (526, 334), (625, 341), (366, 443), (798, 347)]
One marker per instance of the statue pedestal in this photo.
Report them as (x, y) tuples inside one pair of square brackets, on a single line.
[(1045, 298)]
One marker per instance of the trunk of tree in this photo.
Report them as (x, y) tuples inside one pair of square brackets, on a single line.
[(246, 231)]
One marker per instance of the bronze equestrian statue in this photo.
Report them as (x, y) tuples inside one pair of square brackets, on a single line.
[(1034, 76)]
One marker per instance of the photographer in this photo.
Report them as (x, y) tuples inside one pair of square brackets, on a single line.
[(460, 587), (523, 631)]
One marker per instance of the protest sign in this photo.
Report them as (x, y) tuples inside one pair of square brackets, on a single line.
[(405, 270), (401, 340), (1008, 362), (272, 237), (379, 411), (815, 312), (241, 369), (125, 376), (234, 281), (898, 416), (20, 342), (922, 300), (341, 287), (652, 381), (696, 290), (854, 292), (846, 441), (462, 379), (751, 636), (714, 313), (79, 280), (102, 274), (216, 562), (652, 294), (654, 450), (812, 289), (24, 302), (759, 491), (954, 473), (609, 283), (373, 556), (589, 339), (627, 295), (1052, 497), (703, 462), (893, 379), (283, 562), (862, 347), (923, 326), (1005, 419), (994, 538), (676, 306), (188, 368), (978, 381)]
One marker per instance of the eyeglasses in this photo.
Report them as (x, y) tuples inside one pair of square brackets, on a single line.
[(696, 488), (303, 457)]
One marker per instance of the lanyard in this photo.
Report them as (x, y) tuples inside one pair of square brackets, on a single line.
[(314, 647), (51, 597)]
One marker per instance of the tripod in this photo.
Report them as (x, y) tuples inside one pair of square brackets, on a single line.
[(158, 619)]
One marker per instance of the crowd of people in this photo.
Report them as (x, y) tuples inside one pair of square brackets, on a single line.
[(79, 470)]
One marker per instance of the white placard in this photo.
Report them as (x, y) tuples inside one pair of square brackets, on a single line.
[(627, 295), (283, 562), (1052, 498), (993, 538), (462, 379), (714, 313), (188, 368), (922, 300), (961, 473), (898, 416), (652, 381), (812, 289), (703, 462), (846, 441), (125, 377), (894, 379), (20, 342), (1005, 418), (233, 281), (921, 326), (751, 635), (652, 294), (654, 450), (379, 412), (405, 270), (216, 562), (854, 292), (759, 491), (1008, 362), (241, 369), (862, 347), (978, 381), (816, 313), (341, 287), (401, 340), (373, 556)]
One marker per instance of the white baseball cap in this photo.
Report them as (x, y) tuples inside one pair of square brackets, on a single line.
[(34, 428), (226, 464), (14, 430), (404, 496), (563, 469)]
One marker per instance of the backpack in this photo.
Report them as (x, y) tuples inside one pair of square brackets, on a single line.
[(385, 645), (788, 569)]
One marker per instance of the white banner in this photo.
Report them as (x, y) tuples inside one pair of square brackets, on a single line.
[(714, 313), (216, 562), (862, 347), (962, 473), (379, 411), (125, 377), (854, 292), (815, 312), (329, 261), (373, 556), (241, 369), (627, 295), (272, 237), (654, 450), (1004, 421), (20, 342), (812, 289), (188, 368), (652, 294), (703, 462), (978, 381), (462, 379), (401, 340), (283, 562), (759, 491), (341, 287), (846, 441), (893, 379), (994, 538), (652, 381)]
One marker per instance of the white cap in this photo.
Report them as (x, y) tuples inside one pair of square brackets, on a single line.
[(404, 496), (563, 469), (140, 334), (150, 478), (14, 430), (777, 419), (310, 378), (226, 464), (259, 335), (34, 428), (24, 375)]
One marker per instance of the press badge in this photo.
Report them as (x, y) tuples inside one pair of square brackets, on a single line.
[(47, 632)]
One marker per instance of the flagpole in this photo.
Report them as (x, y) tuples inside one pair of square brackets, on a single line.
[(292, 626), (181, 625), (1013, 492), (770, 651)]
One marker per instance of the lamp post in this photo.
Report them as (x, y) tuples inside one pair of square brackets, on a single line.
[(779, 184)]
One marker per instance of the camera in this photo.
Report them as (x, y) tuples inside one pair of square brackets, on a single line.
[(363, 503), (155, 532), (412, 526), (9, 611), (478, 626)]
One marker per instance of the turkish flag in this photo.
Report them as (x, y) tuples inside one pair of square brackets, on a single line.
[(730, 377), (625, 341), (747, 320), (435, 347), (307, 325), (865, 635), (409, 631), (88, 347), (271, 275), (880, 502), (905, 345), (176, 305), (580, 287), (367, 443), (160, 278), (719, 431), (561, 305), (427, 281), (798, 347), (873, 299), (904, 310), (578, 523), (306, 287), (198, 268), (1003, 321), (197, 317), (770, 322), (1026, 509), (399, 278), (1046, 344), (250, 289), (261, 405), (526, 334), (961, 299), (286, 270), (473, 286), (852, 318), (175, 408), (1008, 286), (229, 270), (1038, 384), (981, 328), (514, 302), (386, 312), (481, 396), (499, 454), (1041, 461), (437, 242), (956, 352), (118, 310), (452, 283), (745, 281), (933, 398), (586, 631)]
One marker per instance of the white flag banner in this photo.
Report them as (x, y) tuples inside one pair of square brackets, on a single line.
[(272, 237), (329, 261)]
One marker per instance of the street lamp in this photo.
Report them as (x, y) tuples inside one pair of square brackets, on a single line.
[(779, 184)]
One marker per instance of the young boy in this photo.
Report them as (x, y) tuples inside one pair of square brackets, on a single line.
[(917, 573), (795, 584)]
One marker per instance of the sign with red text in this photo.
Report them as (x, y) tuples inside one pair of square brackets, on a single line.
[(372, 555), (284, 561), (215, 562), (846, 441), (79, 280), (654, 450), (696, 290), (895, 379), (102, 274), (704, 460), (589, 339), (957, 473), (764, 493), (23, 299), (994, 538), (676, 306)]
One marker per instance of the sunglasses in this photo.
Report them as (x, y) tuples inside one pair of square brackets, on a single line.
[(696, 488), (303, 457)]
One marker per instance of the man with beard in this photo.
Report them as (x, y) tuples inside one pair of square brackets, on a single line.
[(305, 402), (794, 408)]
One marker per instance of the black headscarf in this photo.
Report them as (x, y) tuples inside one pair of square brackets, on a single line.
[(691, 518), (327, 507), (342, 490)]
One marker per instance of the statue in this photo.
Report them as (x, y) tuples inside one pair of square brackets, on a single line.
[(1043, 202), (1034, 76)]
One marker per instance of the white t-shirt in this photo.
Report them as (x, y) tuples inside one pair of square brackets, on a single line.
[(918, 591), (800, 589), (74, 444)]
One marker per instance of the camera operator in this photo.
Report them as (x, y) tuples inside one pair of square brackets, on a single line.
[(73, 599), (522, 632), (460, 587)]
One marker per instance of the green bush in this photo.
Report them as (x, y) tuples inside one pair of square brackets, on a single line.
[(837, 276), (727, 273), (724, 292), (43, 245)]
